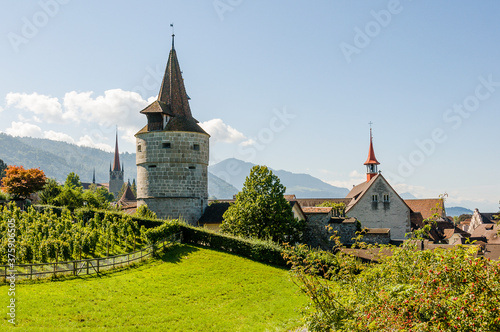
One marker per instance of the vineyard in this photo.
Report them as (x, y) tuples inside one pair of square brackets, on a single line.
[(49, 237)]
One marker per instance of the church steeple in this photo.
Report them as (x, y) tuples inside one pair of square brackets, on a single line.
[(371, 162), (93, 176), (116, 160)]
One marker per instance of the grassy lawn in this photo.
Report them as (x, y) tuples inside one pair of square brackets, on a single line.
[(189, 289)]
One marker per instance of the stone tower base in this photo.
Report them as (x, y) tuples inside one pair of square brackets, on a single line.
[(187, 209)]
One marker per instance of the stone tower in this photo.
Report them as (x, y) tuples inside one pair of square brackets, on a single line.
[(116, 173), (172, 152)]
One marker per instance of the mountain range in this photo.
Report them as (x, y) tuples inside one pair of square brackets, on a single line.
[(225, 179)]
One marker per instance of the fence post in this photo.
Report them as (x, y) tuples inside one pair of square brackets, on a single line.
[(31, 272), (87, 266), (97, 265), (74, 268)]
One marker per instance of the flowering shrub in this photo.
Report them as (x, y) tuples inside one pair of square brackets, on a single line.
[(410, 290)]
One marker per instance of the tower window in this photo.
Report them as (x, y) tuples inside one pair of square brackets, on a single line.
[(192, 167), (196, 147), (375, 198), (152, 166), (386, 198), (166, 145), (139, 148)]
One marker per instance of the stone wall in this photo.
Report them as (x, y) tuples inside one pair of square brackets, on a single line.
[(346, 230), (394, 214), (172, 173)]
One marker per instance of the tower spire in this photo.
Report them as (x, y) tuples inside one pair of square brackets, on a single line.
[(371, 162), (173, 34), (93, 176), (116, 160)]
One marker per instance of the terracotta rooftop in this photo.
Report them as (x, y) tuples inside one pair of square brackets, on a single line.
[(314, 210), (311, 202), (116, 160), (427, 206), (371, 153)]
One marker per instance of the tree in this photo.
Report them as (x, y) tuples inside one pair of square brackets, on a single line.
[(50, 191), (133, 187), (261, 210), (143, 211), (20, 182), (3, 167), (72, 181)]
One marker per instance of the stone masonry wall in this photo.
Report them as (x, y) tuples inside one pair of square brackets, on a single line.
[(172, 173), (394, 215)]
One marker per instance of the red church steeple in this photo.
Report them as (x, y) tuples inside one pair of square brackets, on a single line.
[(372, 162)]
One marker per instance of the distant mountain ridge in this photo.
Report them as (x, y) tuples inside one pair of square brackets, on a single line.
[(456, 211), (234, 171)]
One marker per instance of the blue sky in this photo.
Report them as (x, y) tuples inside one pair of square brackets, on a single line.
[(289, 84)]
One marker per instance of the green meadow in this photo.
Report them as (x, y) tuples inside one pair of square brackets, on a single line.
[(188, 289)]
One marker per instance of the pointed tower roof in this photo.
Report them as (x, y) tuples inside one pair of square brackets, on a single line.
[(371, 153), (116, 160), (128, 195), (172, 101), (93, 176)]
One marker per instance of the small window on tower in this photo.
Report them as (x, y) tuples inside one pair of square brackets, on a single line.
[(196, 147), (192, 167), (375, 198), (152, 166), (166, 145), (139, 148)]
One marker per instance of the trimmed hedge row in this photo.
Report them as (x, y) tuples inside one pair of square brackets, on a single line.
[(261, 251)]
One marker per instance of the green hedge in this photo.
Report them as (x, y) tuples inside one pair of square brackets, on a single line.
[(262, 251)]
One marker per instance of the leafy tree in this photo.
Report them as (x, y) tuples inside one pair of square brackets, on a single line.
[(70, 197), (261, 210), (3, 167), (50, 191), (133, 187), (143, 211), (20, 182), (72, 180), (339, 208)]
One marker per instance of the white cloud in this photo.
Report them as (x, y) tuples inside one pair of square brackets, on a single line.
[(23, 129), (86, 140), (57, 136), (115, 107), (1, 109), (47, 106), (221, 132)]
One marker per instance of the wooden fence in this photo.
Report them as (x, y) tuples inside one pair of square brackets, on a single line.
[(84, 266)]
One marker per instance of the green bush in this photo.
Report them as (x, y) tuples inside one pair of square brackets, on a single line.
[(410, 290)]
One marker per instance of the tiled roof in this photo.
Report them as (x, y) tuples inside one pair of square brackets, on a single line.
[(173, 101), (426, 206), (492, 251), (311, 202), (314, 210), (487, 231), (128, 195)]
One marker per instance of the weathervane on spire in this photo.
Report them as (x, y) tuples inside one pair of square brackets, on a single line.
[(173, 35), (370, 123)]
